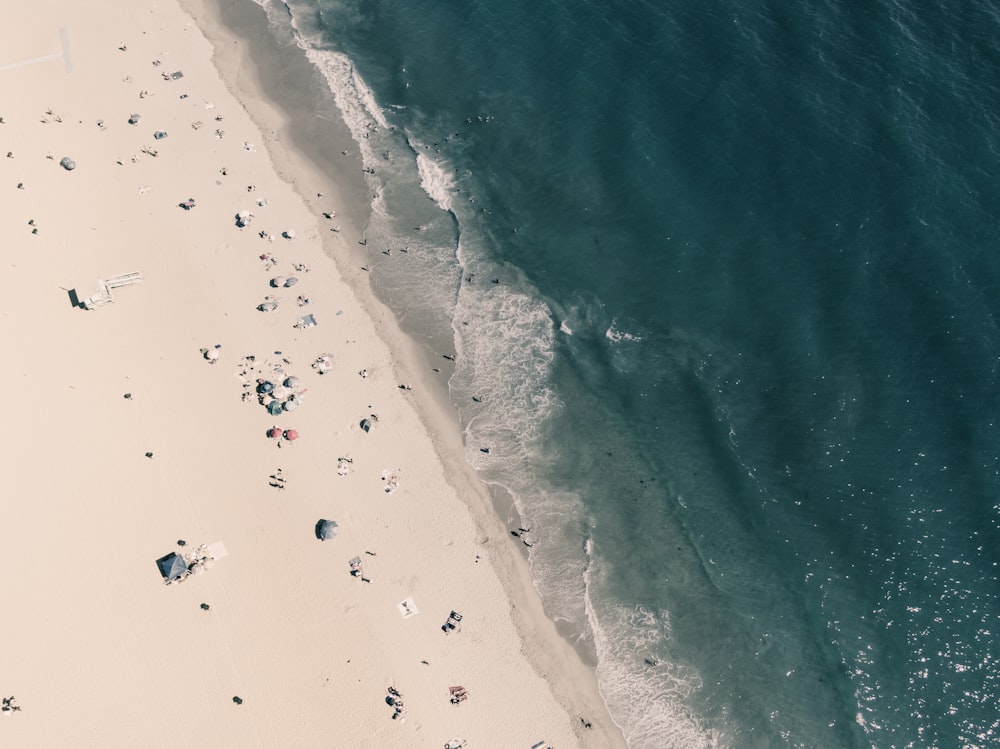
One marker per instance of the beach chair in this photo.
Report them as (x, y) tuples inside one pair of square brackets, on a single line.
[(452, 623), (458, 694)]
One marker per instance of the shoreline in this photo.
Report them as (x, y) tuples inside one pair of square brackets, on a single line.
[(135, 442), (413, 360)]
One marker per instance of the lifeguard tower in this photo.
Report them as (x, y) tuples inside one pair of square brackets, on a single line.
[(99, 294)]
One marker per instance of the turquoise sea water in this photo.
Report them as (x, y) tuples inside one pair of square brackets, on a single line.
[(739, 369)]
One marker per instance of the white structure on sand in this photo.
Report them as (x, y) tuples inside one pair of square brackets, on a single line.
[(99, 293)]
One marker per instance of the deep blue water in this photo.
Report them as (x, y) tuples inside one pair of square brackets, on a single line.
[(740, 368)]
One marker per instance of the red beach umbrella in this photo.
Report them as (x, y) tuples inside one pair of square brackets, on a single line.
[(291, 434), (274, 433)]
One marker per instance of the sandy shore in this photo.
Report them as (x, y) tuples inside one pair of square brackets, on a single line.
[(99, 651)]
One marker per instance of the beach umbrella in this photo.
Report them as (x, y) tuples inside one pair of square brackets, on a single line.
[(274, 433), (366, 424), (291, 434), (292, 382), (288, 233), (265, 387), (159, 135), (67, 163), (268, 306), (274, 407), (133, 119), (212, 354), (278, 281), (281, 392), (171, 566), (291, 281), (291, 404), (326, 529)]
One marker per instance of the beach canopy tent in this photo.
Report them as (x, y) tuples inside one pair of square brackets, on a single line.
[(326, 529), (67, 163), (172, 566), (265, 387), (275, 407)]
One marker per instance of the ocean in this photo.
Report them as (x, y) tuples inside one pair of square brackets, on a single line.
[(721, 280)]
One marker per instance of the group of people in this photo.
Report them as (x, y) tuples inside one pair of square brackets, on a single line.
[(395, 699), (9, 706)]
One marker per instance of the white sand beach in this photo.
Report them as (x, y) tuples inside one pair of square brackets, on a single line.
[(123, 438)]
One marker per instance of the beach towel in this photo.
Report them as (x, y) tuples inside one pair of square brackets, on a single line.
[(407, 608)]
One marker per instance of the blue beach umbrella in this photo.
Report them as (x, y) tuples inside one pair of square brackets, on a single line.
[(171, 566), (326, 529)]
